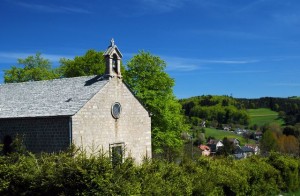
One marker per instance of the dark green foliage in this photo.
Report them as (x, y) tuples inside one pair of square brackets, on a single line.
[(91, 63), (292, 130), (269, 141), (262, 178), (163, 178), (146, 77), (289, 170), (32, 68), (64, 174)]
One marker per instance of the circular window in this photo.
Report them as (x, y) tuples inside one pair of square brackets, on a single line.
[(116, 110)]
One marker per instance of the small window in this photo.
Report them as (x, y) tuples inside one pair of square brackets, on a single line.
[(116, 153), (116, 110)]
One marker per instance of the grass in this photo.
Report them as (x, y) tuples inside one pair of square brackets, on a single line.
[(263, 116), (292, 193), (220, 134)]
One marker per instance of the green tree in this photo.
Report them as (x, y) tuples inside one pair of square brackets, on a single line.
[(91, 63), (33, 68), (148, 80), (269, 141), (228, 147)]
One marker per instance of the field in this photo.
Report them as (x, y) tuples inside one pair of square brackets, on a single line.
[(294, 97), (220, 134), (263, 116)]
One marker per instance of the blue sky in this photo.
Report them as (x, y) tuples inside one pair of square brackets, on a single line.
[(243, 48)]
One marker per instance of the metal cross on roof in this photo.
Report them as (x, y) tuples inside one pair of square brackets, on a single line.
[(112, 42)]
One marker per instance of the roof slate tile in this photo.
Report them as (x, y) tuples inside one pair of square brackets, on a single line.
[(58, 97)]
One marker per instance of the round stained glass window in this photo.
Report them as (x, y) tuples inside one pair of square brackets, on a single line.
[(116, 110)]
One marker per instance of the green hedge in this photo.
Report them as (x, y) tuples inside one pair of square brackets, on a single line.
[(63, 174)]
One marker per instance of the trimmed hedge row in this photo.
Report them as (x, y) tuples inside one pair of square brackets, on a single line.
[(63, 174)]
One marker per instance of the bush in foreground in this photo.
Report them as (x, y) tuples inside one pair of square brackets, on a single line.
[(65, 174)]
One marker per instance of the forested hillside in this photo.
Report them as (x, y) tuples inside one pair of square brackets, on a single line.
[(215, 109), (229, 110), (288, 108)]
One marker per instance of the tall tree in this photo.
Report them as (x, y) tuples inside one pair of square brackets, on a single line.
[(32, 68), (269, 141), (148, 80), (91, 63)]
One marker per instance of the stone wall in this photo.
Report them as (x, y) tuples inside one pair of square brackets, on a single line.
[(39, 134), (94, 127)]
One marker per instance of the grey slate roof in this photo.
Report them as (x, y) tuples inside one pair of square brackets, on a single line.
[(59, 97)]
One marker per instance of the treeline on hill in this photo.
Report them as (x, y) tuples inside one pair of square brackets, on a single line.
[(215, 110), (288, 108), (229, 110), (76, 173)]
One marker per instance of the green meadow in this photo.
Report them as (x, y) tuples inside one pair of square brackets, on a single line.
[(263, 116)]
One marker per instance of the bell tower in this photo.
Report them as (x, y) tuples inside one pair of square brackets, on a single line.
[(113, 61)]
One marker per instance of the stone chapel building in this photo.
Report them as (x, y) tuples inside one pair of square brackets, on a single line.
[(92, 112)]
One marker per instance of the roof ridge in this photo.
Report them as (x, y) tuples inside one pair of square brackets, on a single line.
[(35, 81)]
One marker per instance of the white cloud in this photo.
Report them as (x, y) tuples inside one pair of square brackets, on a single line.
[(287, 18), (12, 57), (241, 72), (230, 34), (230, 61), (52, 8), (181, 64), (154, 6), (163, 6), (56, 57), (252, 5), (191, 64)]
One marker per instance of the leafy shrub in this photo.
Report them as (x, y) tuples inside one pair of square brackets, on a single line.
[(80, 174), (262, 178), (163, 178), (288, 168)]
